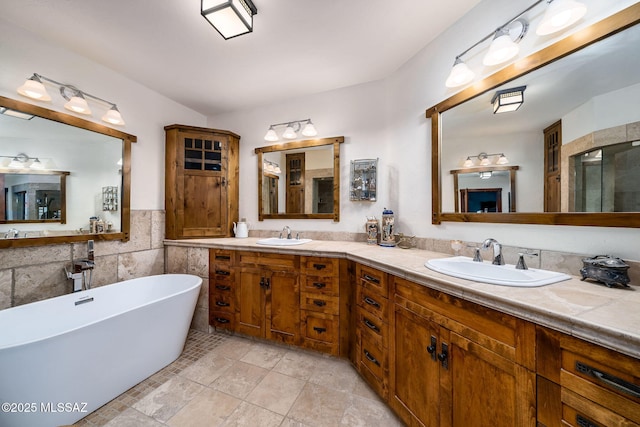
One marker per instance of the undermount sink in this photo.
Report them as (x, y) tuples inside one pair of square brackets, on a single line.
[(277, 241), (485, 272)]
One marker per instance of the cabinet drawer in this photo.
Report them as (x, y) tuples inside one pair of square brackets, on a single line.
[(319, 266), (220, 256), (323, 285), (372, 279), (275, 262), (373, 327), (319, 327), (320, 303), (372, 302), (221, 302), (221, 274), (580, 412), (372, 357), (221, 319)]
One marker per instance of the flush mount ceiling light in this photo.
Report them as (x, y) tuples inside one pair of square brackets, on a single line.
[(230, 18), (485, 159), (508, 99), (34, 88), (291, 130), (559, 15)]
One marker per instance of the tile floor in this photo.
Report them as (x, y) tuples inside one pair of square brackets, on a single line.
[(223, 380)]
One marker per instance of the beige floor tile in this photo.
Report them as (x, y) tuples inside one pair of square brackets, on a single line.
[(335, 374), (240, 379), (248, 415), (264, 355), (298, 364), (290, 422), (319, 406), (234, 348), (133, 418), (362, 412), (209, 409), (362, 389), (276, 392), (165, 401), (207, 369)]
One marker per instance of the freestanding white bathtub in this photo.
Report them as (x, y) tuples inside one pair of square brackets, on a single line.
[(64, 357)]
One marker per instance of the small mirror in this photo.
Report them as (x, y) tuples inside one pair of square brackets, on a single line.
[(300, 179), (483, 190), (32, 197)]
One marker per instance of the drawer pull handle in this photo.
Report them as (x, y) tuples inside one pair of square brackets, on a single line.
[(223, 257), (370, 325), (371, 302), (222, 304), (319, 266), (371, 279), (370, 358), (615, 382), (223, 287), (222, 273), (319, 329), (319, 285), (319, 303), (432, 348), (583, 422), (222, 320)]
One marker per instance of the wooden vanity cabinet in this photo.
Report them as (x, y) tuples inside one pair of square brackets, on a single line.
[(585, 385), (268, 296), (320, 303), (372, 327), (201, 182), (222, 289), (456, 363)]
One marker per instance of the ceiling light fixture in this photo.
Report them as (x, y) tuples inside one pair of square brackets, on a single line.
[(485, 159), (230, 18), (559, 15), (508, 99), (34, 88), (291, 130)]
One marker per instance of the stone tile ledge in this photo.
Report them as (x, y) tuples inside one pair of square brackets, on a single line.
[(586, 310)]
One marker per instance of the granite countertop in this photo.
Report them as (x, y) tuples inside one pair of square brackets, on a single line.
[(606, 316)]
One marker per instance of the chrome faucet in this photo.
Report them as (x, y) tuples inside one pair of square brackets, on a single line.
[(82, 274), (288, 230), (11, 234), (497, 250)]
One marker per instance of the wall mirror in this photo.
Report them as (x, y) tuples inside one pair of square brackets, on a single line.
[(74, 161), (581, 96), (300, 179), (485, 189)]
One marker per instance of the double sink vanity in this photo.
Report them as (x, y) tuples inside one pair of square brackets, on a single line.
[(440, 350)]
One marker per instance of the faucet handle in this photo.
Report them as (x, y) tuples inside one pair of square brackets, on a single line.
[(477, 257), (521, 265)]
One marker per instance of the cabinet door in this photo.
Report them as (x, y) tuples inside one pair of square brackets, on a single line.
[(251, 301), (283, 307), (415, 375), (486, 388), (202, 213)]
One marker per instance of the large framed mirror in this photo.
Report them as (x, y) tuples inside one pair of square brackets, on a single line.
[(575, 139), (59, 173), (300, 180)]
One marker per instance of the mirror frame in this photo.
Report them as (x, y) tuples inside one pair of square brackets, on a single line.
[(70, 120), (581, 39), (512, 183), (62, 175), (335, 141)]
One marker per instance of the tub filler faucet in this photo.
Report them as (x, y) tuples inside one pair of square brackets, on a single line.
[(82, 274)]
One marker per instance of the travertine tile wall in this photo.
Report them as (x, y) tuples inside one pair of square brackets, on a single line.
[(35, 273)]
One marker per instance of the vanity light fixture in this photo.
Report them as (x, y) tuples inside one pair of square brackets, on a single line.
[(508, 99), (271, 167), (34, 88), (291, 130), (21, 160), (230, 18), (486, 174), (485, 159), (560, 14)]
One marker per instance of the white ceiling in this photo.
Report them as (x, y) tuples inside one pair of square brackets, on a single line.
[(298, 47)]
